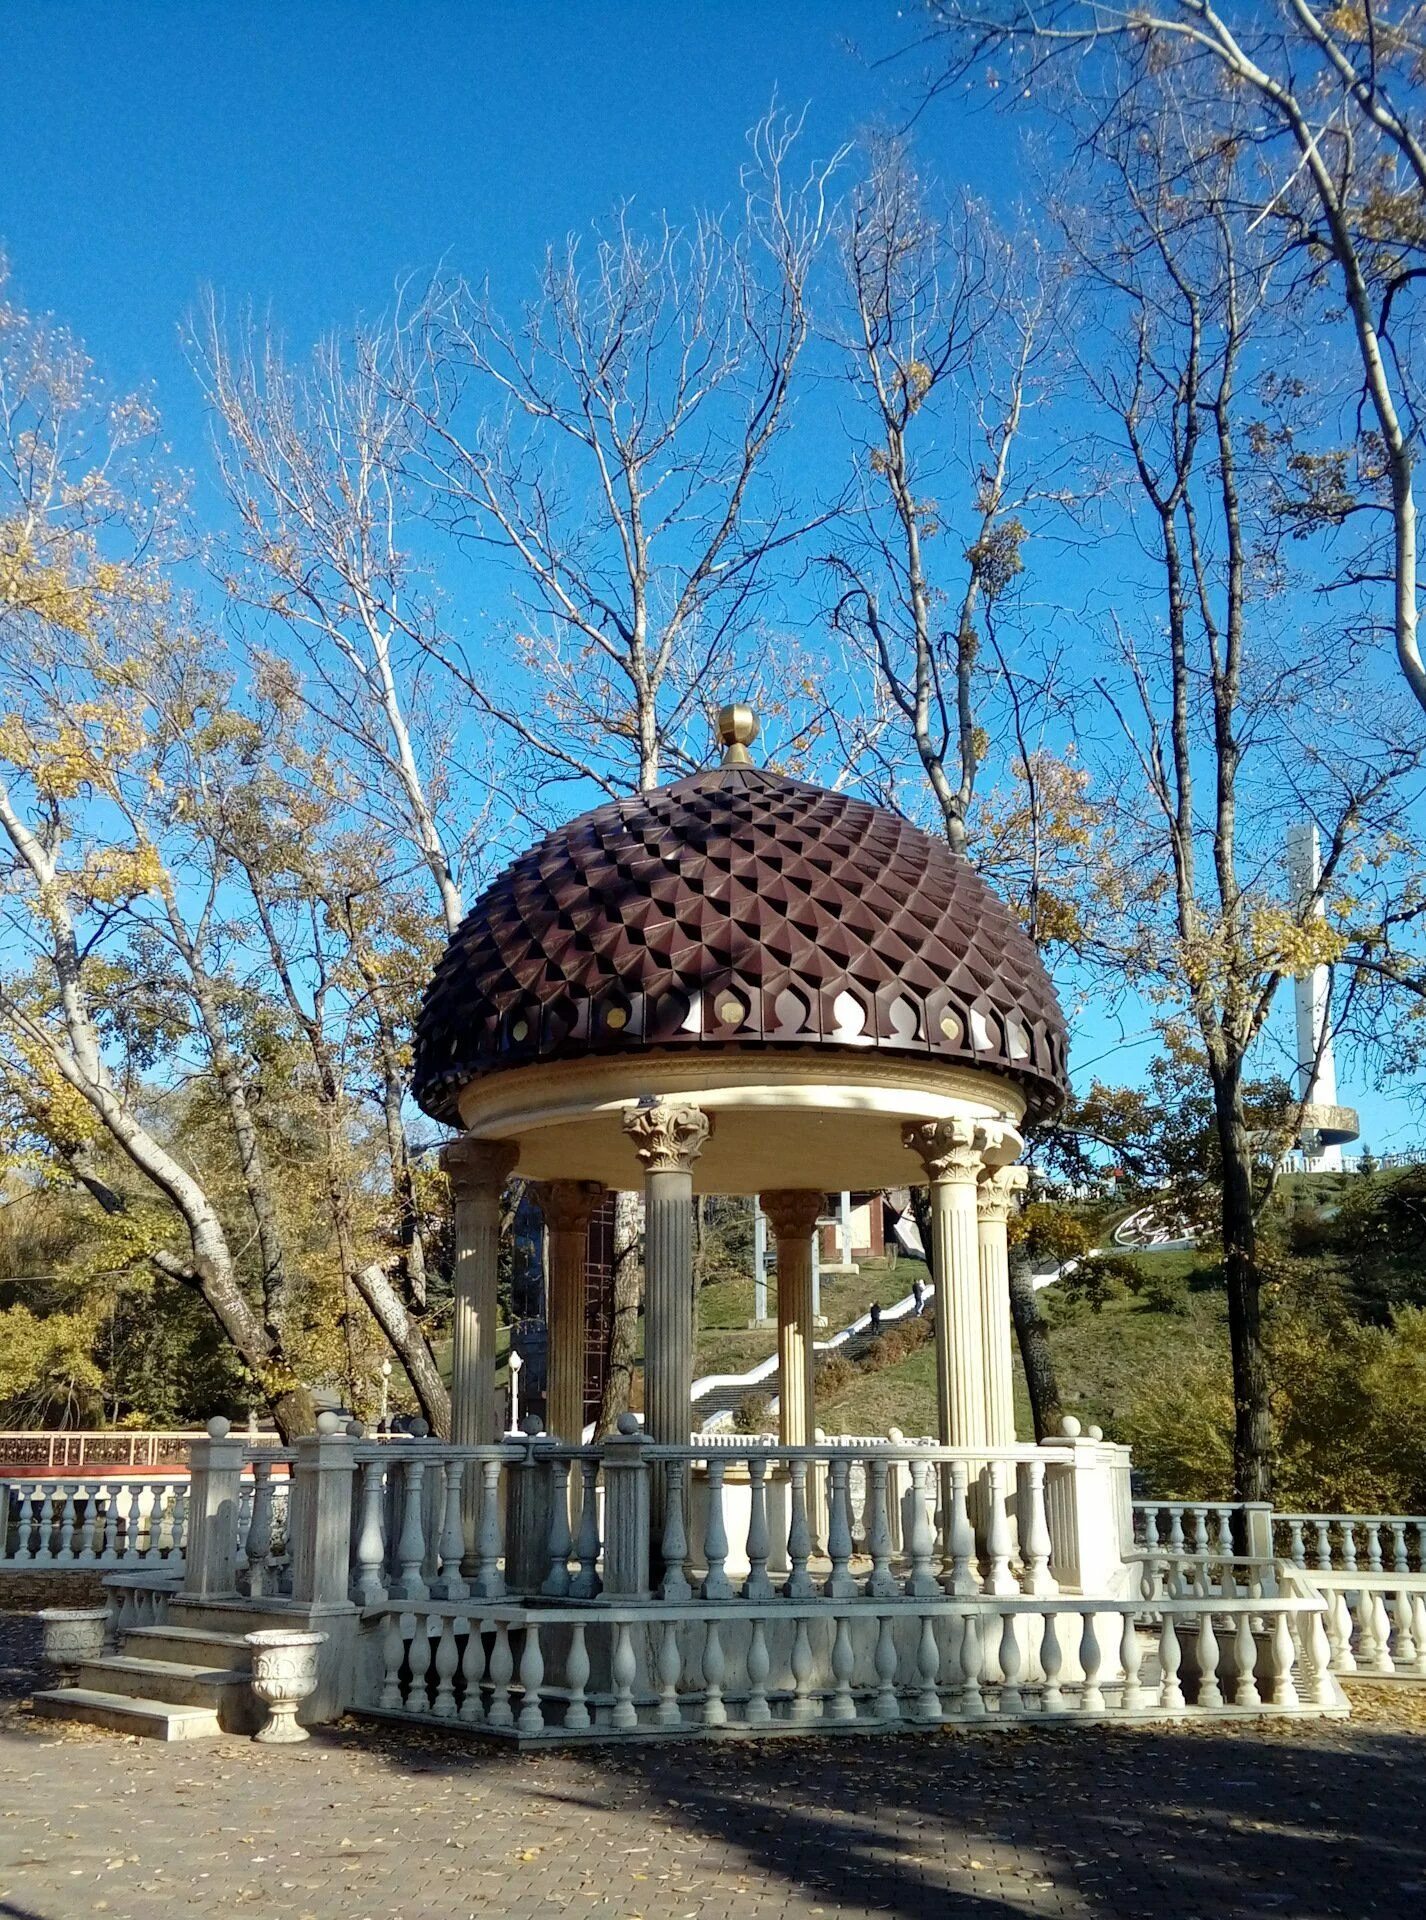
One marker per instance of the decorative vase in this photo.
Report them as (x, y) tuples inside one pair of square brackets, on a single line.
[(73, 1635), (284, 1673)]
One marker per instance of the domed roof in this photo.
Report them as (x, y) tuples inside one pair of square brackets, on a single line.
[(737, 910)]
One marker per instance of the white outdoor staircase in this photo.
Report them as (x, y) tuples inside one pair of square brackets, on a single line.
[(186, 1679)]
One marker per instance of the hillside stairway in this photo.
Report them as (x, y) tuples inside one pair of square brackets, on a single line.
[(188, 1679)]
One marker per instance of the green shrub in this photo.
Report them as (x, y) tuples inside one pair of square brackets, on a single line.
[(752, 1413)]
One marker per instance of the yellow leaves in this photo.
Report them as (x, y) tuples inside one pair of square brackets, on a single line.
[(55, 575), (1285, 941), (86, 748), (63, 1117), (120, 873)]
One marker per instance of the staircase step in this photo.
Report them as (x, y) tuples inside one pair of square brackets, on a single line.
[(189, 1646), (227, 1691), (237, 1616), (126, 1713)]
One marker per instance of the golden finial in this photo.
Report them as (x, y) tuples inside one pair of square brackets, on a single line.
[(737, 727)]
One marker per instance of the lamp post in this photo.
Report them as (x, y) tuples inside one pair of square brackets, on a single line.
[(515, 1365), (385, 1389)]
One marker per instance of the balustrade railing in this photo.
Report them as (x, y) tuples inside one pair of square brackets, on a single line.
[(429, 1519), (537, 1673), (115, 1520), (1353, 1542)]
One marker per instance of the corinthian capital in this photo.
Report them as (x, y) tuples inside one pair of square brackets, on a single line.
[(793, 1211), (567, 1204), (995, 1196), (949, 1149), (478, 1166), (666, 1137)]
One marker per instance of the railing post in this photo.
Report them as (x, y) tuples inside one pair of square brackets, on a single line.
[(627, 1547), (210, 1569), (320, 1514), (1090, 1528), (527, 1513), (1258, 1529)]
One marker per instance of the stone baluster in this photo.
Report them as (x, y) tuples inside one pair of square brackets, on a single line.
[(585, 1584), (674, 1547), (1225, 1532), (1176, 1540), (1151, 1528), (532, 1680), (1324, 1689), (1296, 1545), (803, 1707), (472, 1668), (558, 1543), (842, 1706), (758, 1713), (971, 1698), (418, 1659), (623, 1668), (411, 1542), (489, 1581), (576, 1679), (1210, 1694), (259, 1536), (1170, 1659), (64, 1555), (798, 1585), (1131, 1694), (1200, 1529), (921, 1583), (716, 1584), (1381, 1635), (963, 1574), (447, 1664), (888, 1707), (88, 1531), (1280, 1651), (1374, 1546), (1245, 1660), (669, 1670), (998, 1577), (1322, 1531), (1349, 1546), (839, 1584), (1418, 1628), (715, 1667), (502, 1672), (757, 1586), (369, 1588), (1034, 1530), (1010, 1699), (1339, 1633), (44, 1550), (450, 1583), (1400, 1562), (1091, 1699), (393, 1658), (881, 1582), (1052, 1662), (1403, 1641)]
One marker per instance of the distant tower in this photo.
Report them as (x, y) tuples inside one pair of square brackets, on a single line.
[(1325, 1125)]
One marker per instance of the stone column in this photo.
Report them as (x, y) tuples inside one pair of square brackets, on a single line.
[(567, 1206), (995, 1196), (668, 1138), (793, 1212), (477, 1171), (953, 1153)]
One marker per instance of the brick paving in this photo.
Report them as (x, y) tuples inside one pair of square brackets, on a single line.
[(369, 1824)]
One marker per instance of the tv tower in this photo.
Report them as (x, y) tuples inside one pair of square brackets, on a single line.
[(1325, 1125)]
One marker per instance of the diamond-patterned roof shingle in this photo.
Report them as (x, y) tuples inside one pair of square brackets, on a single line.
[(739, 909)]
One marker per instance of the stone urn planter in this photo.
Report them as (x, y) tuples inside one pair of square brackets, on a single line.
[(284, 1674), (73, 1635)]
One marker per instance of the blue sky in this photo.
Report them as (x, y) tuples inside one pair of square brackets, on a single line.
[(305, 158)]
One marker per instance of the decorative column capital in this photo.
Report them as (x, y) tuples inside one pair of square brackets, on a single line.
[(668, 1138), (995, 1195), (949, 1150), (568, 1204), (793, 1211), (473, 1166)]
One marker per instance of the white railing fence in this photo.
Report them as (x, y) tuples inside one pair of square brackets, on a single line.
[(540, 1674)]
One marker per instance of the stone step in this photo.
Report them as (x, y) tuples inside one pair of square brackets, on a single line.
[(235, 1616), (128, 1713), (227, 1692), (189, 1646)]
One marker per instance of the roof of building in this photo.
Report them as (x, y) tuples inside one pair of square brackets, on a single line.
[(739, 909)]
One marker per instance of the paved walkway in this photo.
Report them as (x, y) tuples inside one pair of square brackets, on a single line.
[(367, 1825)]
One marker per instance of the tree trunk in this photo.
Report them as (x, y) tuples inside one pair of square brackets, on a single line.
[(1252, 1406), (410, 1344), (1033, 1335), (624, 1325)]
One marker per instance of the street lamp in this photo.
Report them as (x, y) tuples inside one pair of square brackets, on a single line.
[(515, 1365), (385, 1388)]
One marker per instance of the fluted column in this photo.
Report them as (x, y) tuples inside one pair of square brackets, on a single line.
[(477, 1171), (668, 1138), (793, 1212), (995, 1196), (953, 1153), (567, 1206)]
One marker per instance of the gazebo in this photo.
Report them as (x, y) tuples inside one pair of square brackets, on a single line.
[(740, 983)]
